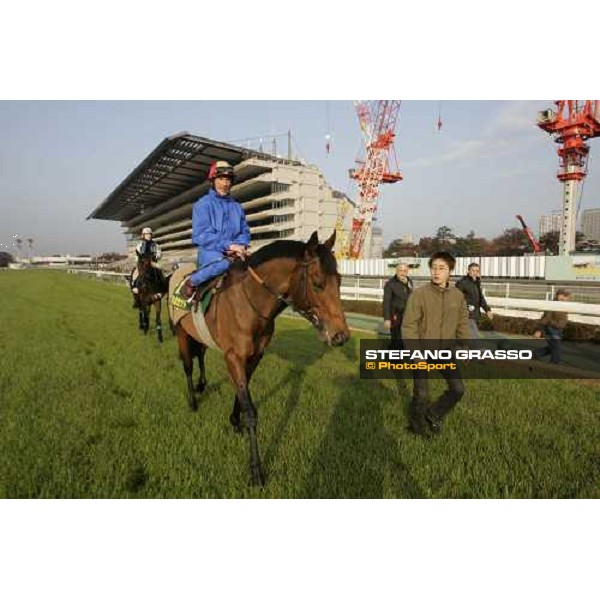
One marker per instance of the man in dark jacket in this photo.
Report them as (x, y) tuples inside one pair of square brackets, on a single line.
[(470, 286), (395, 296), (552, 325)]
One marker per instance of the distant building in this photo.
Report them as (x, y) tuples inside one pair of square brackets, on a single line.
[(375, 249), (60, 260), (550, 222), (590, 223)]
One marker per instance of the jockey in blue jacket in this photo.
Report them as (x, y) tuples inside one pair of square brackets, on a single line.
[(219, 228)]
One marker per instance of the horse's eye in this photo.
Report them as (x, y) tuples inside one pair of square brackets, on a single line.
[(317, 287)]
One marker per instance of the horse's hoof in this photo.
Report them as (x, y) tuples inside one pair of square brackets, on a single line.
[(435, 424), (201, 386), (193, 404), (258, 477)]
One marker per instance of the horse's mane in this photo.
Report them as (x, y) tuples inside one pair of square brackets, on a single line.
[(295, 250)]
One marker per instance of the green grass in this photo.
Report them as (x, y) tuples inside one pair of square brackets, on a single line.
[(90, 408)]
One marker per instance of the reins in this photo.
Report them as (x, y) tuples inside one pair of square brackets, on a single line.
[(306, 311)]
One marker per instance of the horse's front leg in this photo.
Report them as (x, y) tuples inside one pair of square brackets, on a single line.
[(235, 416), (141, 317), (146, 319), (200, 352), (237, 372), (157, 308)]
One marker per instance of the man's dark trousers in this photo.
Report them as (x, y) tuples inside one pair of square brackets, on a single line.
[(446, 401)]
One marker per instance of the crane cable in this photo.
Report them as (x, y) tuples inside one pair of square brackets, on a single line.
[(587, 162), (328, 140)]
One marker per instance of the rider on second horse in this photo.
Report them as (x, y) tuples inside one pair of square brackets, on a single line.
[(219, 229), (146, 247)]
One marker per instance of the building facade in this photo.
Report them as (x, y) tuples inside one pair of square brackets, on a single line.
[(550, 222), (590, 224)]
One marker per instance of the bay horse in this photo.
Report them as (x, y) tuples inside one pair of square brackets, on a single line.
[(152, 286), (241, 319)]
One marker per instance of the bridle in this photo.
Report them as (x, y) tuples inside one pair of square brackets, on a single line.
[(303, 307)]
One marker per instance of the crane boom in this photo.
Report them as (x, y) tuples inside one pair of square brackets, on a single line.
[(377, 120), (529, 233)]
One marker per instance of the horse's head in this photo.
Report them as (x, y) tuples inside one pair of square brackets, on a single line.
[(144, 265), (315, 291), (145, 278)]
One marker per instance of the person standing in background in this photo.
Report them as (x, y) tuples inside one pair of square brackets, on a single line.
[(552, 325), (395, 296), (470, 286)]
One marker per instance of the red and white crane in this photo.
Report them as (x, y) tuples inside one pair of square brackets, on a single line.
[(571, 124), (529, 233), (377, 119)]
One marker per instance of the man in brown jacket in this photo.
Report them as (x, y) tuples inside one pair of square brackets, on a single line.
[(436, 315), (552, 325)]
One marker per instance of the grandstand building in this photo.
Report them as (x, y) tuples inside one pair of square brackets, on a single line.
[(282, 198)]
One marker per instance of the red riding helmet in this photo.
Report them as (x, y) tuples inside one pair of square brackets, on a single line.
[(220, 168)]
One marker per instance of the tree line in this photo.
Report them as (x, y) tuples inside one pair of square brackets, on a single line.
[(512, 242), (5, 259)]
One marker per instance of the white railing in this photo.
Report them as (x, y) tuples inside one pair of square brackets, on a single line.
[(579, 312), (108, 275), (361, 293), (580, 308), (506, 289)]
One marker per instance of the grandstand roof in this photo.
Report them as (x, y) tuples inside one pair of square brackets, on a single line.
[(177, 164)]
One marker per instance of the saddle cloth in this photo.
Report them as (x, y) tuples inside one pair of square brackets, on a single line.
[(179, 307)]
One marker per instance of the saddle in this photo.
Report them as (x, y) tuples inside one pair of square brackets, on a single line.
[(202, 296)]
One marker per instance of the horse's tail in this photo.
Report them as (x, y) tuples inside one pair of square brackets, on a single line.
[(166, 288), (167, 280)]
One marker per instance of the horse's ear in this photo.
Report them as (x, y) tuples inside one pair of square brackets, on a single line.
[(311, 245), (331, 241)]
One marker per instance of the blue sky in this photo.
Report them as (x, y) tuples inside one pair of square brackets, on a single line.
[(59, 160)]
